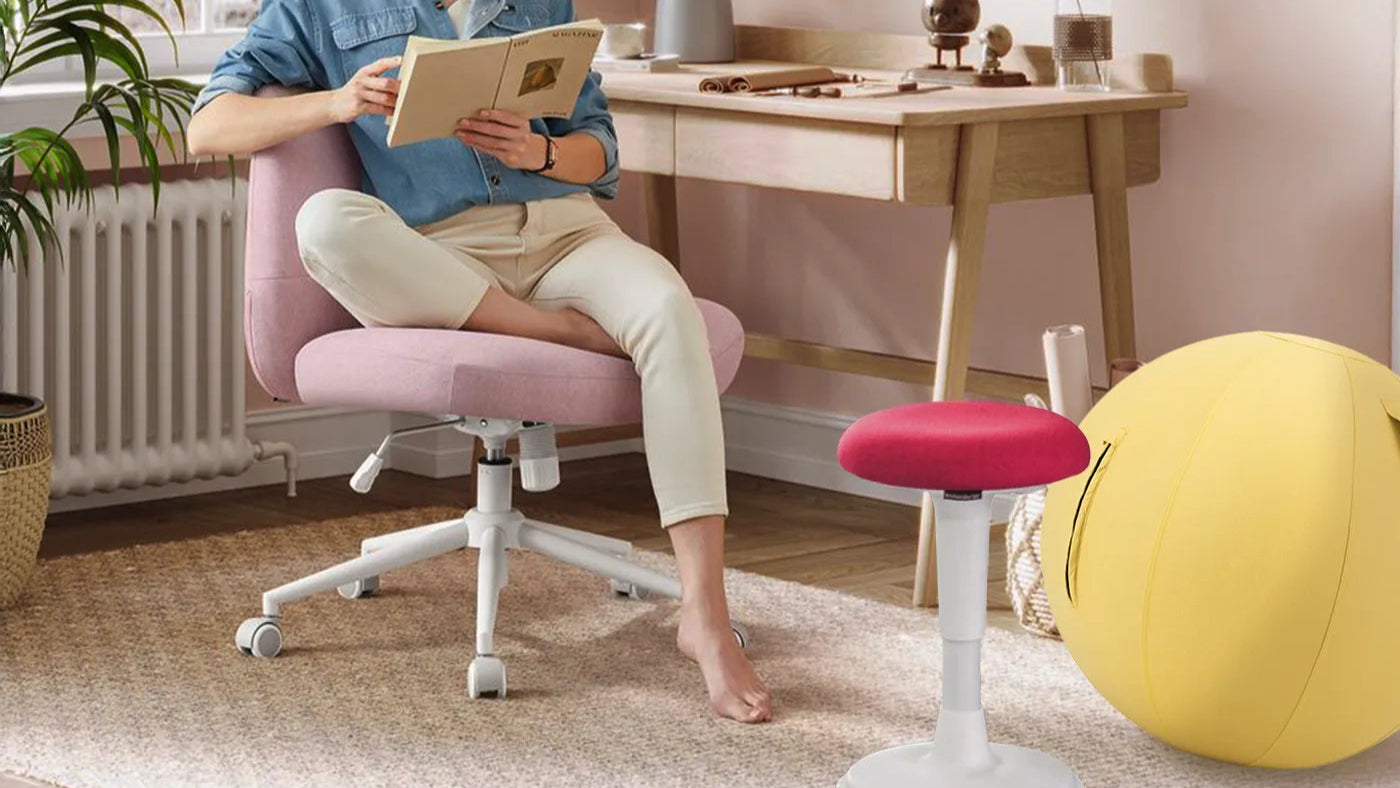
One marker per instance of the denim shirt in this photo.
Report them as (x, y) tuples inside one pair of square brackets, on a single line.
[(322, 43)]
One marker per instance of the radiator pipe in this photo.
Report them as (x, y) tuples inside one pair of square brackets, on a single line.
[(263, 450)]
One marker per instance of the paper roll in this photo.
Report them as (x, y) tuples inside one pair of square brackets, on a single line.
[(1067, 368), (767, 80), (785, 78)]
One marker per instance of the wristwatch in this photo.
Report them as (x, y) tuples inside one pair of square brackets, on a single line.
[(550, 149)]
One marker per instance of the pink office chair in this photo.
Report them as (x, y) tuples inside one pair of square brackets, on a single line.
[(305, 347)]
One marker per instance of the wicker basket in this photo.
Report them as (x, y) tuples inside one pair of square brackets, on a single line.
[(25, 471), (1025, 581)]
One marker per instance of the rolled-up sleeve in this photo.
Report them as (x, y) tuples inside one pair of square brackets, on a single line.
[(591, 116), (279, 48)]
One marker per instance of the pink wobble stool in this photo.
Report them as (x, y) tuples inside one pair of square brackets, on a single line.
[(965, 453)]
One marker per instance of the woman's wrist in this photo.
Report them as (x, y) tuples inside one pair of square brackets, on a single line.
[(536, 153), (551, 152)]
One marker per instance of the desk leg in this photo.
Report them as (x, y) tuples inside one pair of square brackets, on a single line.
[(1108, 170), (663, 229), (977, 151)]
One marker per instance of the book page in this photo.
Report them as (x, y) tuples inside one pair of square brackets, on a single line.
[(442, 81), (545, 69)]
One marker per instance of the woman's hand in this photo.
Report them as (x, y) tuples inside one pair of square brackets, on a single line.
[(506, 136), (366, 93)]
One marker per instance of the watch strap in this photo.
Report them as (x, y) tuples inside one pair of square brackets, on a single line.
[(550, 155)]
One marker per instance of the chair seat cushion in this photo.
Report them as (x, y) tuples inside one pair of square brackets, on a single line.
[(964, 446), (465, 373)]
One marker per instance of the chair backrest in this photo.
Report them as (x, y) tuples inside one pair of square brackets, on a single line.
[(283, 308)]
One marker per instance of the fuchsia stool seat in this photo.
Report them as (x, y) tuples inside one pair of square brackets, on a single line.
[(961, 451), (969, 446)]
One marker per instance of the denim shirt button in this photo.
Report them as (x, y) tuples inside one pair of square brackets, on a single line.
[(495, 180)]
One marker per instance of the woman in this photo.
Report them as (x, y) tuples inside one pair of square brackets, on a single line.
[(496, 231)]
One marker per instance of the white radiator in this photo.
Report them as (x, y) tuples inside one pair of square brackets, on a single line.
[(135, 339)]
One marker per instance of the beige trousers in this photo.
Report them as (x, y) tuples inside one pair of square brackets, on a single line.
[(557, 253)]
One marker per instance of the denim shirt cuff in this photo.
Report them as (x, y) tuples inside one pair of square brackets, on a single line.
[(605, 186), (219, 85)]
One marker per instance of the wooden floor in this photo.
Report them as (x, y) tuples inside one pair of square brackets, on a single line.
[(781, 530)]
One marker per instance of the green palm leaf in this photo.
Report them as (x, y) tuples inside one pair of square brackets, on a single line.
[(40, 170)]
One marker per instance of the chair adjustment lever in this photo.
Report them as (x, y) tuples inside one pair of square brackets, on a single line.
[(363, 479)]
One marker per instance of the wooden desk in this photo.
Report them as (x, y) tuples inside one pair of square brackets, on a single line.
[(968, 148)]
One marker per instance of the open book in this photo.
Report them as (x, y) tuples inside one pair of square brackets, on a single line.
[(535, 74)]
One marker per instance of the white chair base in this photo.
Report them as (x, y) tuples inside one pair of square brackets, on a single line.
[(960, 755), (492, 527), (918, 765)]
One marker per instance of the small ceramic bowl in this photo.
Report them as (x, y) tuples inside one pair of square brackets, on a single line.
[(622, 42)]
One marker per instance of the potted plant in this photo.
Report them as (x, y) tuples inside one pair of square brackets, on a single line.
[(39, 170)]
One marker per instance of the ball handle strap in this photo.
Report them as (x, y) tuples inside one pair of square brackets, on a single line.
[(1074, 524)]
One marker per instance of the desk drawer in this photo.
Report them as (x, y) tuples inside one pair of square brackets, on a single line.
[(1036, 159), (1049, 157), (786, 153)]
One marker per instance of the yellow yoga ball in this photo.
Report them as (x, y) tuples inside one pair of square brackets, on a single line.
[(1231, 578)]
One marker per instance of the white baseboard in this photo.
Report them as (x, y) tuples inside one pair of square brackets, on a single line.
[(447, 463), (440, 454), (447, 453), (430, 462), (798, 446), (775, 442), (786, 444)]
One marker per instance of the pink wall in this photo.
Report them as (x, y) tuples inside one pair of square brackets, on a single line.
[(1273, 210)]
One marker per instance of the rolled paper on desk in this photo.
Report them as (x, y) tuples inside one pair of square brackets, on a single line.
[(768, 80), (1067, 367), (787, 78)]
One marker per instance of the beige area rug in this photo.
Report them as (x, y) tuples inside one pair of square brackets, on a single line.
[(118, 669)]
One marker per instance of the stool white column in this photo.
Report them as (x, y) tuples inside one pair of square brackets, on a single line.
[(960, 755)]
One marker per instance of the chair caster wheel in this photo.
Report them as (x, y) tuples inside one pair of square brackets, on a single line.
[(486, 678), (740, 634), (360, 589), (621, 589), (259, 637)]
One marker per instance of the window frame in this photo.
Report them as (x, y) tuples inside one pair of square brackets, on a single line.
[(198, 50)]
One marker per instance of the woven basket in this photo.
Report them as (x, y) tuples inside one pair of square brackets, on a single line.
[(1025, 581), (25, 471)]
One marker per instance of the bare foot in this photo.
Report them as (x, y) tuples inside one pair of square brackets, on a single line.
[(581, 331), (735, 689)]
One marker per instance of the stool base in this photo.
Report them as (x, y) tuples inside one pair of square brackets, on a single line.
[(914, 766)]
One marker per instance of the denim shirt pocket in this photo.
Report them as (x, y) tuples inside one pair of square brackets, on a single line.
[(366, 37), (519, 16)]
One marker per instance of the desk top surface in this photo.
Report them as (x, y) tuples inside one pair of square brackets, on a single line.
[(957, 105)]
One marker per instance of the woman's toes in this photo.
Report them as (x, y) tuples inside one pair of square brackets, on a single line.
[(734, 708), (760, 699)]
